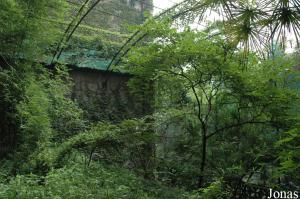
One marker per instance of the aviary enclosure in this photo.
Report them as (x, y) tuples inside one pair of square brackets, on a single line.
[(136, 99)]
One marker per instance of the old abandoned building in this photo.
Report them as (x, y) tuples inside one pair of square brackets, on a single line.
[(102, 94)]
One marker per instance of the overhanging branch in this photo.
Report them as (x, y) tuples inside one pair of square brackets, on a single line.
[(236, 125)]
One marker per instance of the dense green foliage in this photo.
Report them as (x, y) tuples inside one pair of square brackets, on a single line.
[(224, 107), (211, 113), (23, 31), (80, 182)]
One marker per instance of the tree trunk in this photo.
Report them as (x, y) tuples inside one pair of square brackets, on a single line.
[(203, 158)]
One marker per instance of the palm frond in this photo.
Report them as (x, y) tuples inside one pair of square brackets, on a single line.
[(285, 22), (245, 28)]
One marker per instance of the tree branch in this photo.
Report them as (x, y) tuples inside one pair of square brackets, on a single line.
[(236, 125)]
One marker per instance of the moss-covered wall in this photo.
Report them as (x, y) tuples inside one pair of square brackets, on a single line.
[(104, 95)]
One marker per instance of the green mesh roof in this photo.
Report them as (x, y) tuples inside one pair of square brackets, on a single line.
[(84, 59)]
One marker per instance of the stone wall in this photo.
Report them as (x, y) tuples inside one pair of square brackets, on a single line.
[(104, 95)]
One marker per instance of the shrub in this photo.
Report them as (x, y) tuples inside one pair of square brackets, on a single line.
[(80, 182)]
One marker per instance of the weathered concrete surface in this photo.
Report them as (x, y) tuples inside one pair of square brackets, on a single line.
[(104, 95)]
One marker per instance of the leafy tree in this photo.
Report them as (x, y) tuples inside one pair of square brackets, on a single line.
[(24, 35), (25, 28), (223, 92), (46, 115)]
